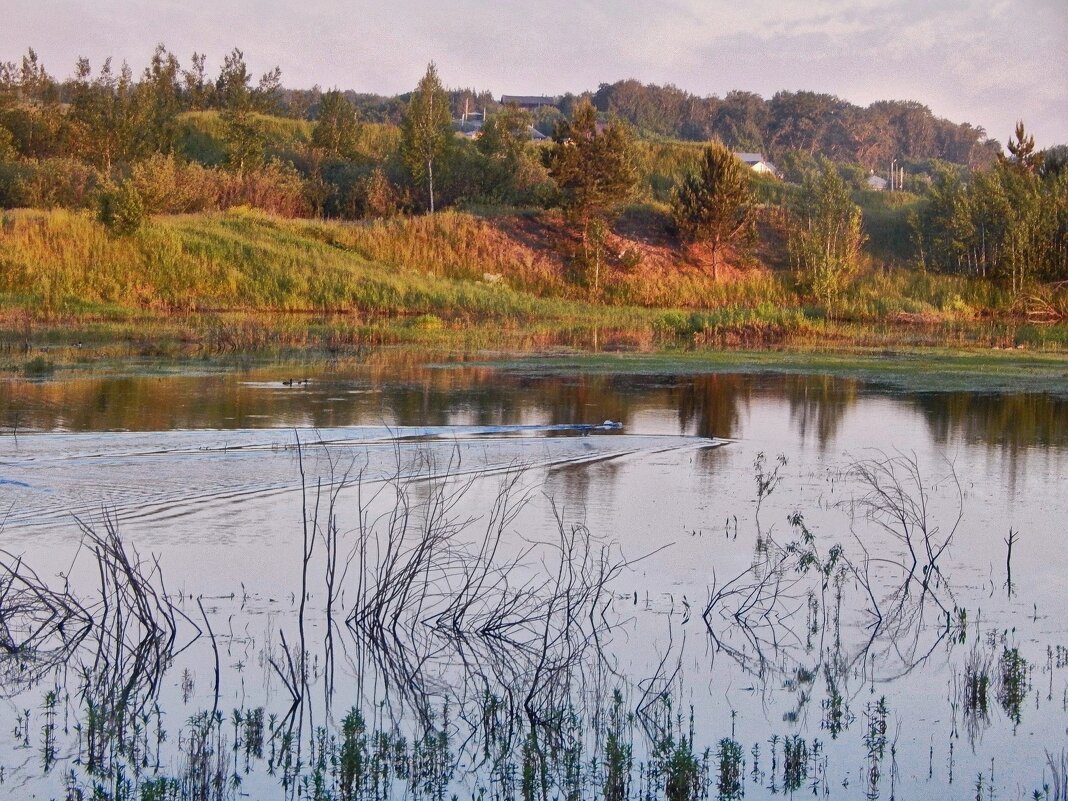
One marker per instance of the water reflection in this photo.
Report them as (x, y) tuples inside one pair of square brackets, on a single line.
[(1011, 422), (710, 405)]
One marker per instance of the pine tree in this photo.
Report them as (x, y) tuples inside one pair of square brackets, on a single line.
[(714, 205), (596, 175), (1022, 151)]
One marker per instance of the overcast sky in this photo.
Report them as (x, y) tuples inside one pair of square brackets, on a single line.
[(988, 63)]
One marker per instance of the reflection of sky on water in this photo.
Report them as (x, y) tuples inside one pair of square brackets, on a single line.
[(220, 506)]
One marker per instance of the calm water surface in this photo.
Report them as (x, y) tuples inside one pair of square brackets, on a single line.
[(202, 471)]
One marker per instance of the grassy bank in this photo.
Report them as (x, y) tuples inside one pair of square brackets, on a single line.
[(247, 282)]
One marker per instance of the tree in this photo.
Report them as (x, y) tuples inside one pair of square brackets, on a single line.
[(197, 88), (740, 120), (1023, 156), (426, 130), (1055, 161), (337, 130), (8, 151), (104, 118), (595, 172), (713, 205), (233, 88), (509, 165), (506, 134), (246, 140), (826, 238), (160, 98)]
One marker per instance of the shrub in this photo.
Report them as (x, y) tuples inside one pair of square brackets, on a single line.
[(38, 366), (47, 184), (120, 208), (169, 186)]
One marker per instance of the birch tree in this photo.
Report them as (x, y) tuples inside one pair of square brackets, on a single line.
[(426, 130)]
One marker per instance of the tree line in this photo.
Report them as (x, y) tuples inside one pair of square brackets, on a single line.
[(807, 122), (1008, 223)]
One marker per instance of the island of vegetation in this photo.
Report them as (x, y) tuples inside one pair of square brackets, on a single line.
[(172, 213)]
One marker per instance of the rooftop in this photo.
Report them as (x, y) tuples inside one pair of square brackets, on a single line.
[(527, 101)]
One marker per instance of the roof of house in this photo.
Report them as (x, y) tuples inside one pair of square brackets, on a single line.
[(750, 158), (527, 100), (757, 162)]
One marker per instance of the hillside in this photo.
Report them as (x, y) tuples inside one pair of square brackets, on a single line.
[(246, 281)]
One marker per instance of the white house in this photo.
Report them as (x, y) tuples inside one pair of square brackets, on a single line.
[(757, 163), (876, 184)]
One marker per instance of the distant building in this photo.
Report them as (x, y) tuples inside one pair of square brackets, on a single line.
[(757, 163), (528, 102), (877, 184), (472, 129)]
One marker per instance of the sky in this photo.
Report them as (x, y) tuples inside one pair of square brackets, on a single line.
[(988, 63)]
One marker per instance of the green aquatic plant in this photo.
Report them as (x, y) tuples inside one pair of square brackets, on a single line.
[(618, 752), (1014, 682), (794, 762), (38, 367), (730, 782)]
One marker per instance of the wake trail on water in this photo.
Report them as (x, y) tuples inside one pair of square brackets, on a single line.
[(148, 479)]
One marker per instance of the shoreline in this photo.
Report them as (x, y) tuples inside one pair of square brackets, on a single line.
[(914, 369)]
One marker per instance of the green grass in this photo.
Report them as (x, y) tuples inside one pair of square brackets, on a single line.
[(201, 135), (886, 224), (65, 263)]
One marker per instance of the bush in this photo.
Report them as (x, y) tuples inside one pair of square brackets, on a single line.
[(37, 367), (169, 186), (276, 188), (47, 184), (120, 208), (377, 195)]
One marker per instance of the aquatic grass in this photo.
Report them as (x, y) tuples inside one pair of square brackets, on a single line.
[(974, 688), (38, 367), (1014, 682), (1058, 768), (730, 781)]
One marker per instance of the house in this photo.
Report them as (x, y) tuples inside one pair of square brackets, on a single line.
[(527, 102), (876, 184), (472, 129), (757, 163)]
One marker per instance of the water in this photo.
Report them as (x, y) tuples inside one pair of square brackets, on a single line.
[(960, 689)]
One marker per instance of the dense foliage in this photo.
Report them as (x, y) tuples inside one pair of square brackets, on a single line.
[(1009, 223), (826, 239), (808, 122)]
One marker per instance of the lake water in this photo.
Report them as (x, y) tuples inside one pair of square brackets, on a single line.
[(553, 585)]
